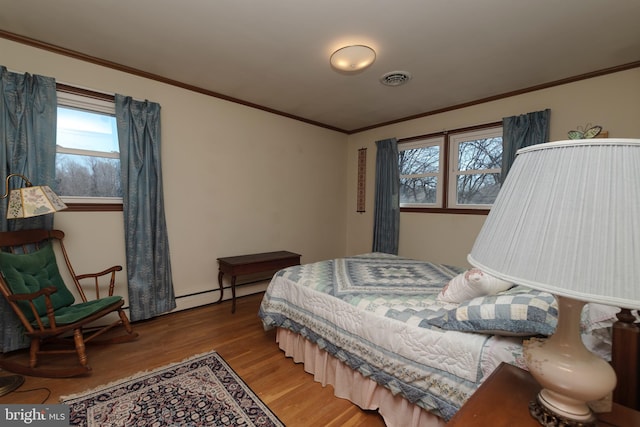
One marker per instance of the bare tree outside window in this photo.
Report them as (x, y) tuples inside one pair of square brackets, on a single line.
[(459, 169), (480, 156), (87, 176), (87, 157), (419, 169)]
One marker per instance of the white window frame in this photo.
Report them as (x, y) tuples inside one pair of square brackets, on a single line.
[(446, 197), (91, 104), (424, 143), (455, 139)]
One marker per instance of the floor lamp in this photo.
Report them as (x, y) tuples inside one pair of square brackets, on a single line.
[(27, 202), (567, 222)]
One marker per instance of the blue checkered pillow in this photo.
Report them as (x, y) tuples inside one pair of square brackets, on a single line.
[(519, 311)]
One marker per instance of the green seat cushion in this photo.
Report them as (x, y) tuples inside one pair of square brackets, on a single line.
[(73, 313), (28, 273)]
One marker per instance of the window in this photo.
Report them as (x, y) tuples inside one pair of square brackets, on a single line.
[(475, 164), (454, 170), (87, 153), (421, 172)]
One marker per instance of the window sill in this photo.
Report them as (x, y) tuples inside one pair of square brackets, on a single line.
[(93, 207), (447, 211)]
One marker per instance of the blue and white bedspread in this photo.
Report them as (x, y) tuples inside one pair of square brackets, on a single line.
[(370, 312)]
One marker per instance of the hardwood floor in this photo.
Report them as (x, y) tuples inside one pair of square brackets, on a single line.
[(239, 338)]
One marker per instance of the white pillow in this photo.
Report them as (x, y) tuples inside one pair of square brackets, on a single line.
[(471, 284)]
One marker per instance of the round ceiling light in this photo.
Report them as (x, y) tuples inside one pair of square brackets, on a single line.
[(395, 78), (353, 58)]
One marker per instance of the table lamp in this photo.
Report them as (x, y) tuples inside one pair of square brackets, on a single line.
[(567, 222), (27, 202)]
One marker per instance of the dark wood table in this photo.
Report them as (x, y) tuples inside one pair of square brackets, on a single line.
[(267, 262), (503, 401)]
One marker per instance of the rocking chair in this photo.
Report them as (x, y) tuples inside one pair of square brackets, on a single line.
[(32, 284)]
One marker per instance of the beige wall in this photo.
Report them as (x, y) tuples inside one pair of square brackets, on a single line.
[(274, 183), (611, 101), (236, 179)]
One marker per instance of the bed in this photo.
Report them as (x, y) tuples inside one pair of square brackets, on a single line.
[(409, 338)]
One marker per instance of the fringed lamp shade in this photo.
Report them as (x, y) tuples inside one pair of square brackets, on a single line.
[(30, 200), (33, 201)]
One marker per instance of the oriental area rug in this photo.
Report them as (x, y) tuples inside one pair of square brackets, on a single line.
[(200, 391)]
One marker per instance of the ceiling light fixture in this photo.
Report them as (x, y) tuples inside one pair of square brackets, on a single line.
[(353, 58)]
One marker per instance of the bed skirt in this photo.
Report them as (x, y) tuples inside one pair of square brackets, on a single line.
[(351, 385)]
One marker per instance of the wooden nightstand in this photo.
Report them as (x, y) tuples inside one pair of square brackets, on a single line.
[(503, 401)]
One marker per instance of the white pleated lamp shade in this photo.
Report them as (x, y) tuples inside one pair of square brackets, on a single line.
[(567, 221)]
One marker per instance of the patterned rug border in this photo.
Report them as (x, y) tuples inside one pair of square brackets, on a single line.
[(92, 392)]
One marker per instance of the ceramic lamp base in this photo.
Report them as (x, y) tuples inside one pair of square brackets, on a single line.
[(570, 375), (549, 418)]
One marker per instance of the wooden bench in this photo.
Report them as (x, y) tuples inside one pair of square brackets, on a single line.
[(267, 262)]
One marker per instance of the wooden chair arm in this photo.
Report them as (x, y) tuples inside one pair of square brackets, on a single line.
[(47, 301), (96, 276), (29, 297)]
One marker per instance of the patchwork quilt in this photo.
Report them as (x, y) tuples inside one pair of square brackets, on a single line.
[(372, 312)]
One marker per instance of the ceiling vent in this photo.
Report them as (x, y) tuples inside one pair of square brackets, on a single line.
[(395, 78)]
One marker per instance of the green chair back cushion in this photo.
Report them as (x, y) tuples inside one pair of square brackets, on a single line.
[(27, 273)]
